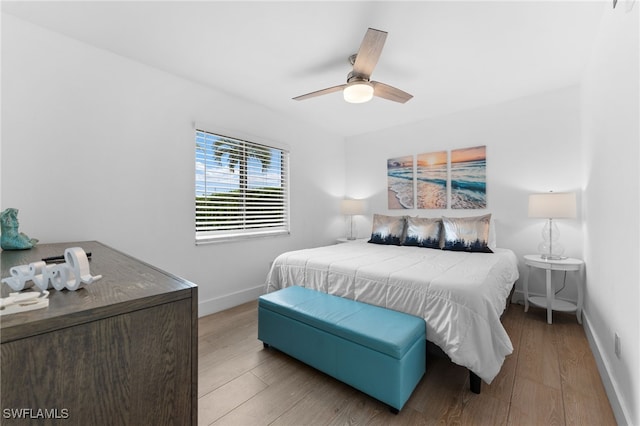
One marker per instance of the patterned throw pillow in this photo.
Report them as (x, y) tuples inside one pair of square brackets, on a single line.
[(387, 229), (423, 232), (467, 233)]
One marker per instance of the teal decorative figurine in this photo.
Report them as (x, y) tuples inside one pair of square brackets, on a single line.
[(11, 239)]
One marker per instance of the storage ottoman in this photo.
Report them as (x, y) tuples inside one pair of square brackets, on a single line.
[(378, 351)]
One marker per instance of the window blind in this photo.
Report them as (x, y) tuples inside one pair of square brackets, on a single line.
[(241, 188)]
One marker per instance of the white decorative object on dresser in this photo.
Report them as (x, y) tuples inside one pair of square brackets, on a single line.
[(550, 302)]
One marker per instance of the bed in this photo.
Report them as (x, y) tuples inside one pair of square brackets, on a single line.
[(461, 295)]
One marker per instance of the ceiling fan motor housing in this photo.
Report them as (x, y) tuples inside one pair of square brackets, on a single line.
[(352, 77)]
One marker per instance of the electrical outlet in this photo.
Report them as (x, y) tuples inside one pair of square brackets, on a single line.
[(617, 345)]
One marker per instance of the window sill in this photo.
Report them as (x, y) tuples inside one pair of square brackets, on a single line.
[(231, 237)]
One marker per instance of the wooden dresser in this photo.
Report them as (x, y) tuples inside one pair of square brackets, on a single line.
[(120, 351)]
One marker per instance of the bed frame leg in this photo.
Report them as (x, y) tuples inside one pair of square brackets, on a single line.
[(475, 383)]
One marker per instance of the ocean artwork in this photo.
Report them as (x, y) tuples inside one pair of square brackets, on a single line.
[(400, 182), (431, 180), (469, 178)]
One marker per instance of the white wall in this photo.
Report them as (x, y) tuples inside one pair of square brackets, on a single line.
[(611, 197), (533, 145), (96, 146)]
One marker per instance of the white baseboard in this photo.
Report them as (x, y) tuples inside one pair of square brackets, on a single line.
[(620, 411), (518, 297), (217, 304)]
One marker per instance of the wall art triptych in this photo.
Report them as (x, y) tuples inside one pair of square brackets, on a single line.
[(463, 174)]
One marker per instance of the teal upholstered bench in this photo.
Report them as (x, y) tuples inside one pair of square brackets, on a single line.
[(378, 351)]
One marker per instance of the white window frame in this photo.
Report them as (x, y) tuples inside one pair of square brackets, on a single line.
[(216, 236)]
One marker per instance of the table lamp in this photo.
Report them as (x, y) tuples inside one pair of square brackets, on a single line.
[(552, 205), (350, 207)]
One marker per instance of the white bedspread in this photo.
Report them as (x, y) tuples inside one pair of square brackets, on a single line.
[(460, 295)]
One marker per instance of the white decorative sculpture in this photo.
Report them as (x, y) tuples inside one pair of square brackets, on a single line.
[(22, 302), (20, 277), (72, 275)]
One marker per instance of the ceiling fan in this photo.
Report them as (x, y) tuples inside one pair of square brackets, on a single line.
[(359, 88)]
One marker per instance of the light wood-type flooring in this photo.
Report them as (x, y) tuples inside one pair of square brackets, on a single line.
[(550, 379)]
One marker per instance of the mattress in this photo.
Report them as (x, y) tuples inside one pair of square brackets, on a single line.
[(460, 295)]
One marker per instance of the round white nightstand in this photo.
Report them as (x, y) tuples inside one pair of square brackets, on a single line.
[(550, 302)]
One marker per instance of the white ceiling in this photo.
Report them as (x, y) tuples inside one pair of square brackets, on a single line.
[(450, 55)]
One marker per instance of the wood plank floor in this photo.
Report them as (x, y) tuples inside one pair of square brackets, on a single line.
[(550, 379)]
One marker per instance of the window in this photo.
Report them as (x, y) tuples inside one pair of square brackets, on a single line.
[(241, 188)]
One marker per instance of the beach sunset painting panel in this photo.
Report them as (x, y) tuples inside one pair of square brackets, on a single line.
[(400, 182), (431, 178), (469, 178)]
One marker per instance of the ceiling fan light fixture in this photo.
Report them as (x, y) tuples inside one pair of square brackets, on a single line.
[(358, 92), (359, 87)]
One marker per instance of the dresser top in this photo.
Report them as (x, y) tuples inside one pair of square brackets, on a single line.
[(127, 284)]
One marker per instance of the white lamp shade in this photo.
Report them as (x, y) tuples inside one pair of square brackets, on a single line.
[(358, 92), (553, 205), (352, 207)]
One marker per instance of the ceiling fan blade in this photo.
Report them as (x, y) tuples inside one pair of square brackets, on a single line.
[(320, 92), (389, 92), (369, 52)]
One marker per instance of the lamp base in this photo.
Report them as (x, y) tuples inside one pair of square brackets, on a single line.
[(550, 248), (351, 235)]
